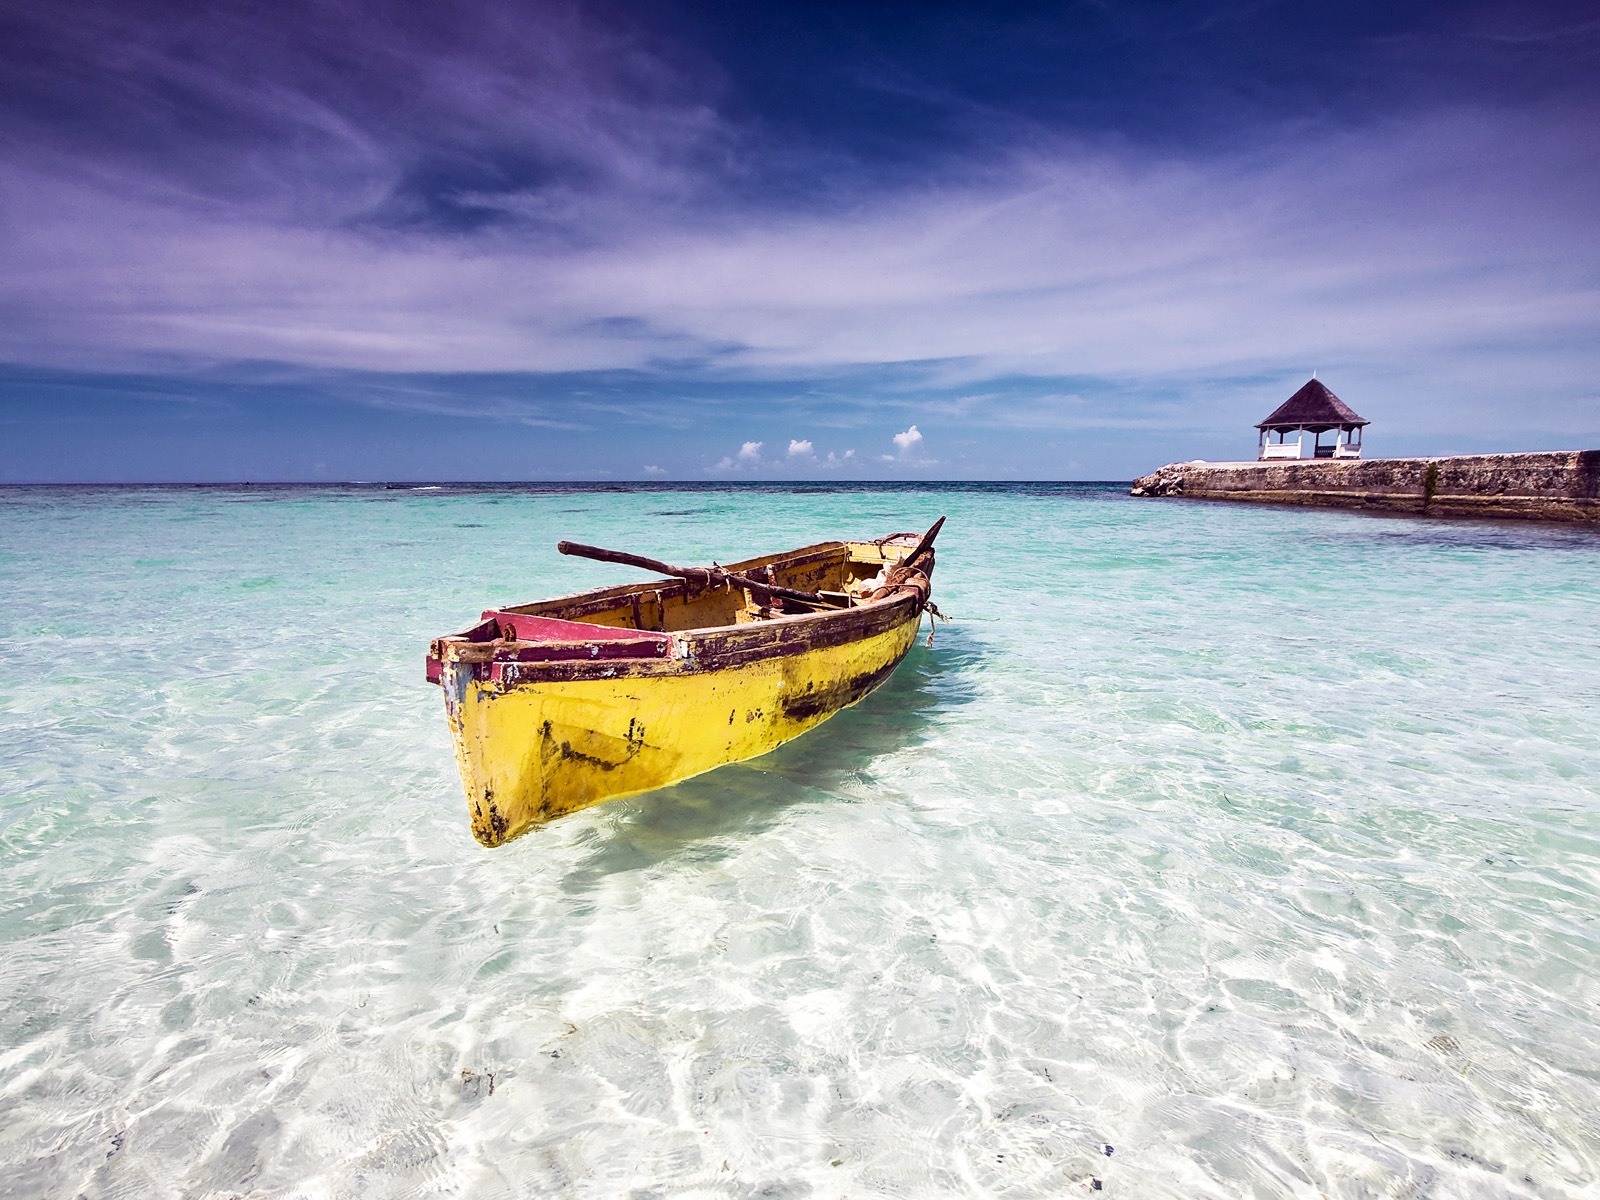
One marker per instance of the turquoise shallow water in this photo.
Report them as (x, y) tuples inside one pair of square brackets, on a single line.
[(1260, 846)]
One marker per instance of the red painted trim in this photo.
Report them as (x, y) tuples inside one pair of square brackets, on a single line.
[(551, 629)]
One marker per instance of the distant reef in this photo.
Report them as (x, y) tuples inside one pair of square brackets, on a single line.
[(1559, 485)]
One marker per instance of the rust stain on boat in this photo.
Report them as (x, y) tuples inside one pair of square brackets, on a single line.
[(834, 695)]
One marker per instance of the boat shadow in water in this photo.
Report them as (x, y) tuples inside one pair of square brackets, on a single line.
[(702, 819)]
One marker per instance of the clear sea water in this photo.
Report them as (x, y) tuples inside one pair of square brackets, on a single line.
[(1211, 851)]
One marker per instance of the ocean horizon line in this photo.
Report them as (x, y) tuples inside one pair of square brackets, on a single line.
[(413, 484)]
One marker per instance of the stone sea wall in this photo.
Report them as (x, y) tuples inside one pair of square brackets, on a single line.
[(1555, 486)]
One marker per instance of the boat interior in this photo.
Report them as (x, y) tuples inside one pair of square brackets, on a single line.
[(842, 572)]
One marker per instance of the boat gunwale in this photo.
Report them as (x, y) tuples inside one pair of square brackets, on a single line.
[(779, 637), (700, 649), (579, 602)]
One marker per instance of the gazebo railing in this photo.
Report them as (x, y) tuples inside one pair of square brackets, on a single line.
[(1270, 450)]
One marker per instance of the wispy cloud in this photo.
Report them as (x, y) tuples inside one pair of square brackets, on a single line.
[(456, 192), (1076, 262)]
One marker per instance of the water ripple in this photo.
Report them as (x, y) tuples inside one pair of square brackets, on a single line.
[(1209, 852)]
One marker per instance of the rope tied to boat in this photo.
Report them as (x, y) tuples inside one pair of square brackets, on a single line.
[(903, 577), (932, 610)]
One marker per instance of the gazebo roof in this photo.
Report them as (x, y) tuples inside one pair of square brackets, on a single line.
[(1314, 408)]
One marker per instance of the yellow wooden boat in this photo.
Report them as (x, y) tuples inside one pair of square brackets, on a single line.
[(559, 705)]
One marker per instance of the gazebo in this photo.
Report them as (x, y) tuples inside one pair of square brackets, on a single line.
[(1316, 410)]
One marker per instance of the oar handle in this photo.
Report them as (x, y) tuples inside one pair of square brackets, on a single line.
[(579, 550)]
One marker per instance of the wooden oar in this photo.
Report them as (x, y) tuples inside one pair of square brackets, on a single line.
[(707, 576)]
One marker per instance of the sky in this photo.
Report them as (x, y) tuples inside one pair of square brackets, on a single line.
[(357, 240)]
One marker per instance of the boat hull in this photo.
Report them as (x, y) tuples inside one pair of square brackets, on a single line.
[(560, 704), (532, 748)]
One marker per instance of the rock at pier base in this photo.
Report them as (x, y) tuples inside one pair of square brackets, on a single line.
[(1553, 486)]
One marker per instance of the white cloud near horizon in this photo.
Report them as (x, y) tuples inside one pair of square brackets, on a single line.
[(802, 456), (908, 451)]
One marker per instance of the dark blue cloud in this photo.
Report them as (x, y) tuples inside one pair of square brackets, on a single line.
[(428, 111)]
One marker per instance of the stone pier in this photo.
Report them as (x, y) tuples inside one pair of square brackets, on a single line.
[(1552, 486)]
